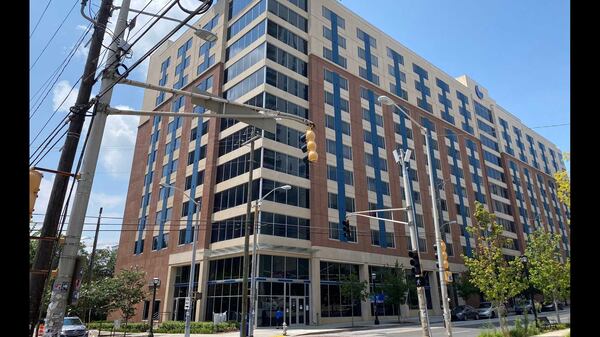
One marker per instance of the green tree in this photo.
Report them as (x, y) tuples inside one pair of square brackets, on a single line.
[(465, 287), (125, 291), (395, 286), (547, 272), (354, 289), (497, 278)]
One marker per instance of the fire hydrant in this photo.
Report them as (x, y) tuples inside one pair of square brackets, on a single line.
[(284, 329)]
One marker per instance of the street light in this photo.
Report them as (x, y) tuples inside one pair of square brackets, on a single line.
[(188, 299), (525, 261), (253, 291), (444, 290), (199, 32), (155, 283), (373, 275)]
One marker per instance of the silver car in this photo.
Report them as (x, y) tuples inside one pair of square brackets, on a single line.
[(486, 310), (73, 327)]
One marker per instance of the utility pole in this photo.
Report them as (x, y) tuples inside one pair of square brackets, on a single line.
[(43, 257), (91, 268), (243, 329), (60, 289), (404, 159), (438, 236)]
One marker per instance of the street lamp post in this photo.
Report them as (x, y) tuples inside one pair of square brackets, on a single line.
[(253, 290), (436, 222), (155, 283), (188, 299), (530, 290), (373, 275)]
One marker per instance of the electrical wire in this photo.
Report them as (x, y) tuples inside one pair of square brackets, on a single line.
[(549, 126), (40, 19), (53, 35), (56, 74), (202, 9), (64, 119)]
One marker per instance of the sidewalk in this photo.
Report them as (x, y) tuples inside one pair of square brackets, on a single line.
[(557, 333), (291, 331)]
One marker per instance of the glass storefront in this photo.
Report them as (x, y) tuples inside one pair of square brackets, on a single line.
[(280, 278), (333, 303), (182, 279)]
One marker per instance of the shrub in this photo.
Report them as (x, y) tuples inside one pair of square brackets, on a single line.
[(107, 326), (491, 334), (197, 327)]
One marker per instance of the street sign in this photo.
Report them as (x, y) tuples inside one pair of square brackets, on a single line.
[(187, 303)]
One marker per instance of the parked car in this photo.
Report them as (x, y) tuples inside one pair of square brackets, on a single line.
[(73, 327), (486, 310), (522, 307), (550, 306), (463, 313)]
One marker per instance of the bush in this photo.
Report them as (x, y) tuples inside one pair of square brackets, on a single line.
[(491, 334), (108, 326), (197, 327)]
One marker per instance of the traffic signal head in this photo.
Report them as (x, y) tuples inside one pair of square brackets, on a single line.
[(444, 255), (309, 145), (414, 261), (35, 179), (448, 276)]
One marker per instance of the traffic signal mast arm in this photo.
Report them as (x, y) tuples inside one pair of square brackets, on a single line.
[(212, 103), (361, 213)]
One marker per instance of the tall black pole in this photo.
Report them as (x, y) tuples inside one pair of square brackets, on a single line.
[(243, 331), (91, 268), (43, 257), (531, 297), (151, 333)]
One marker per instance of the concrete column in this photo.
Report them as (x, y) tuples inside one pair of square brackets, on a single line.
[(167, 306), (435, 293), (203, 288), (315, 291), (365, 306)]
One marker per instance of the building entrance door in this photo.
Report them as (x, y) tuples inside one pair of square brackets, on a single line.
[(296, 310), (179, 309)]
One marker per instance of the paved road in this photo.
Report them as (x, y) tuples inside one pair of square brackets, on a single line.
[(460, 329)]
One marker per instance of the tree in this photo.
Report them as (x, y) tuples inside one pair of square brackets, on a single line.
[(465, 287), (563, 188), (125, 291), (497, 278), (395, 286), (547, 272), (351, 287)]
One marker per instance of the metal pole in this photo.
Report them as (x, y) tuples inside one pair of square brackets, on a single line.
[(531, 297), (60, 290), (151, 332), (91, 268), (415, 244), (438, 238), (247, 244), (44, 253), (188, 311), (253, 290)]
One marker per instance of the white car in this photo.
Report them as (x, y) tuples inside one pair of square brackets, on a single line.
[(73, 327)]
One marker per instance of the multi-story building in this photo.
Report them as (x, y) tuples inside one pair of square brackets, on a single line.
[(319, 60)]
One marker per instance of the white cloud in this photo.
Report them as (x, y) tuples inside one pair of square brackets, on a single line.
[(59, 92), (118, 143)]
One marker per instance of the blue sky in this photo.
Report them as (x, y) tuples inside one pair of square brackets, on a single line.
[(518, 50)]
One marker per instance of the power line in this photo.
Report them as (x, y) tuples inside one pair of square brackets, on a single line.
[(53, 35), (549, 126), (40, 19), (64, 65)]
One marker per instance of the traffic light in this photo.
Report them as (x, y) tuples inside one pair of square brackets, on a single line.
[(448, 276), (346, 228), (414, 261), (444, 256), (35, 179), (309, 146)]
